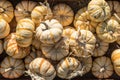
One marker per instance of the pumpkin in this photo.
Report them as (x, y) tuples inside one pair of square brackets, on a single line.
[(41, 13), (99, 10), (68, 68), (13, 25), (41, 69), (67, 31), (36, 43), (24, 9), (102, 67), (108, 31), (100, 48), (82, 43), (6, 10), (29, 58), (1, 46), (12, 68), (63, 13), (12, 49), (4, 28), (115, 59), (49, 31), (24, 32), (56, 51)]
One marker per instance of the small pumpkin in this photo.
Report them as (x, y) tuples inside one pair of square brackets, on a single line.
[(41, 69), (12, 49), (99, 10), (24, 9), (49, 31), (63, 13), (6, 10), (108, 31), (1, 46), (24, 32), (82, 43), (4, 28), (56, 51), (12, 68), (102, 67)]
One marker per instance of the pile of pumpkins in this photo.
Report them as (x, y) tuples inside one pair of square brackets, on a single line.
[(41, 42)]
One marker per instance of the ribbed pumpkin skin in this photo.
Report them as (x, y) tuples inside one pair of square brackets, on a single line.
[(42, 68), (6, 10), (82, 43), (24, 9), (67, 67), (4, 28), (36, 43), (108, 31), (99, 10), (1, 46), (63, 13), (56, 51), (24, 32), (102, 67), (49, 32), (12, 49), (12, 68)]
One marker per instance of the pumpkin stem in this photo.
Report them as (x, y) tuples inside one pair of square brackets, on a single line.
[(8, 69), (117, 16), (102, 69)]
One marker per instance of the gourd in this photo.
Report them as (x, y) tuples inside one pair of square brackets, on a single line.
[(41, 13), (82, 43), (4, 28), (41, 69), (99, 10), (63, 13), (6, 10), (12, 49), (12, 68), (49, 31), (115, 59), (56, 51), (24, 9), (24, 32), (102, 67), (1, 46), (108, 31)]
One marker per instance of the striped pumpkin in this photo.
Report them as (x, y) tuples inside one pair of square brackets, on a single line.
[(4, 28), (41, 13), (63, 13), (49, 31), (68, 68), (108, 31), (12, 49), (24, 9), (6, 10), (115, 57), (82, 43), (102, 67), (1, 46), (24, 32), (41, 69), (12, 68), (99, 10), (56, 51)]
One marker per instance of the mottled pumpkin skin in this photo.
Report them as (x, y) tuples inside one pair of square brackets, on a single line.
[(99, 10), (108, 31)]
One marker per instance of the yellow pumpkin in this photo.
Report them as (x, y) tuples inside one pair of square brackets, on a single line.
[(6, 10), (108, 31), (102, 67), (49, 31), (99, 10), (24, 9), (82, 43), (24, 32), (56, 51), (41, 69), (12, 49), (63, 13), (1, 46), (4, 28), (12, 68), (41, 13)]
